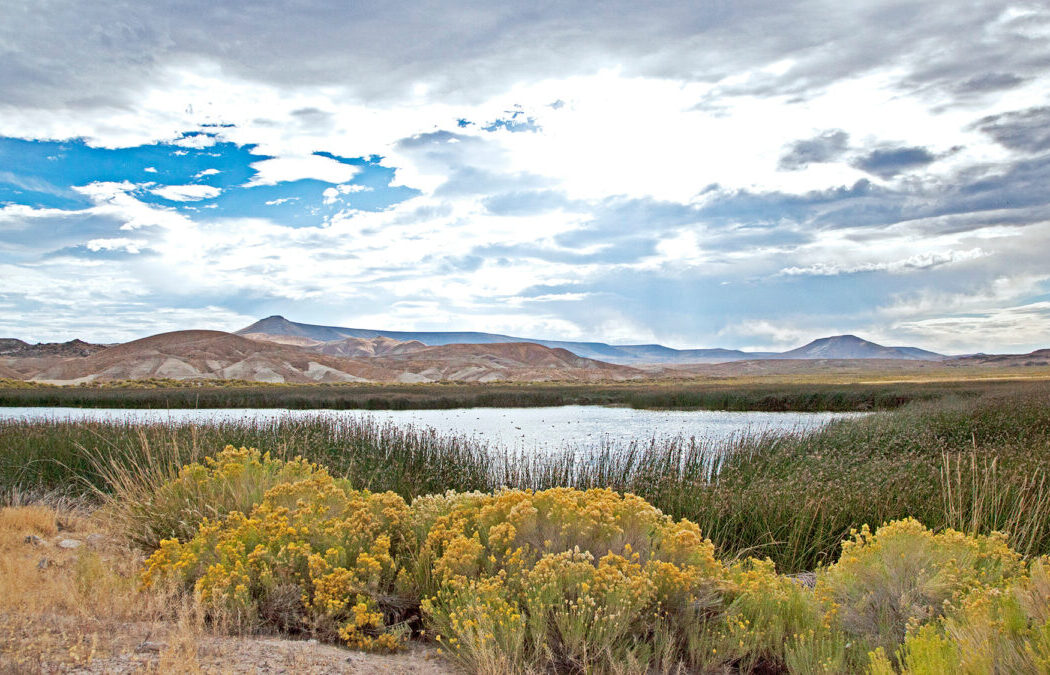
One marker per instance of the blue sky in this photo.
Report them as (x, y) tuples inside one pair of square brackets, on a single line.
[(694, 174)]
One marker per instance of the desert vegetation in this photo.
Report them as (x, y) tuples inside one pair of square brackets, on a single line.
[(736, 393), (912, 540)]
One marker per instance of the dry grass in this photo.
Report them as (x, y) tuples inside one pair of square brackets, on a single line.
[(82, 610)]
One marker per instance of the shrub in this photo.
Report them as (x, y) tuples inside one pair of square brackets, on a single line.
[(904, 575), (571, 580), (992, 631), (153, 506), (313, 556), (562, 578)]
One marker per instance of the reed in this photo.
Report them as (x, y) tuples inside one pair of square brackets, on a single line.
[(976, 463)]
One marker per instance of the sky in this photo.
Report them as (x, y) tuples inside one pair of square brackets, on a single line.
[(699, 174)]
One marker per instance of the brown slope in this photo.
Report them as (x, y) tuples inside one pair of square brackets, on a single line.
[(206, 354), (10, 373), (215, 354), (1039, 357), (508, 361), (377, 346), (294, 340)]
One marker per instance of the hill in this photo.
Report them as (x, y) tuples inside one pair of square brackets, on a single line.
[(617, 354), (1040, 357), (204, 354), (836, 347), (18, 348), (853, 347)]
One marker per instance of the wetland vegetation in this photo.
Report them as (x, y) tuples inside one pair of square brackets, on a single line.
[(912, 495)]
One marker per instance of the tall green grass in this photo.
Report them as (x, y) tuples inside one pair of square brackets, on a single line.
[(733, 395), (975, 463)]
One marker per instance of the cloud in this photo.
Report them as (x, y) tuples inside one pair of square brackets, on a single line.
[(332, 194), (889, 162), (826, 147), (290, 168), (186, 193), (116, 244), (1008, 328), (1025, 130), (920, 261), (685, 168), (989, 82)]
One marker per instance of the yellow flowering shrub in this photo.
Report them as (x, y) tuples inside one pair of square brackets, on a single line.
[(581, 575), (582, 581), (235, 479), (903, 575), (339, 550), (993, 630)]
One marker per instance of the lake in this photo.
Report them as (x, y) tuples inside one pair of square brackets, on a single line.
[(539, 429)]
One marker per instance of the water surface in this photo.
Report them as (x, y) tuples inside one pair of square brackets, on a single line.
[(553, 428)]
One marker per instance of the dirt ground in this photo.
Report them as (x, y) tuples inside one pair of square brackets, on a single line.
[(70, 602)]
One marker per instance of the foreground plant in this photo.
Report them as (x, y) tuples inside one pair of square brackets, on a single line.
[(902, 576), (570, 580), (314, 556), (158, 501), (563, 578)]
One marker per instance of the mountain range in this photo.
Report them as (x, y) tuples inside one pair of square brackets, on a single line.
[(837, 347), (275, 349), (208, 354)]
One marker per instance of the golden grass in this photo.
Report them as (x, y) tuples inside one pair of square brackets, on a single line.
[(65, 608)]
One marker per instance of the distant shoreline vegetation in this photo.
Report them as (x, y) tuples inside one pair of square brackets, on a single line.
[(730, 395)]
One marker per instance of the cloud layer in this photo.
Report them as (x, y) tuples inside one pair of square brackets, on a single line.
[(701, 175)]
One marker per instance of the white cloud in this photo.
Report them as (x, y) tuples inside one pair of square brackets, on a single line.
[(1007, 328), (207, 172), (919, 261), (116, 244), (187, 193), (765, 335), (289, 168), (331, 195)]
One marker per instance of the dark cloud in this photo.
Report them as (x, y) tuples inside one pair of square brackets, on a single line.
[(826, 147), (889, 162), (1025, 130), (313, 117), (63, 53), (986, 82)]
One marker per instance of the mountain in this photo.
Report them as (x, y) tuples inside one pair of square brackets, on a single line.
[(837, 347), (18, 348), (853, 347), (1040, 357), (206, 354), (618, 354)]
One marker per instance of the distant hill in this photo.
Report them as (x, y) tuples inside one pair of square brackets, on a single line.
[(1040, 357), (853, 347), (206, 354), (16, 347), (619, 354), (837, 347)]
